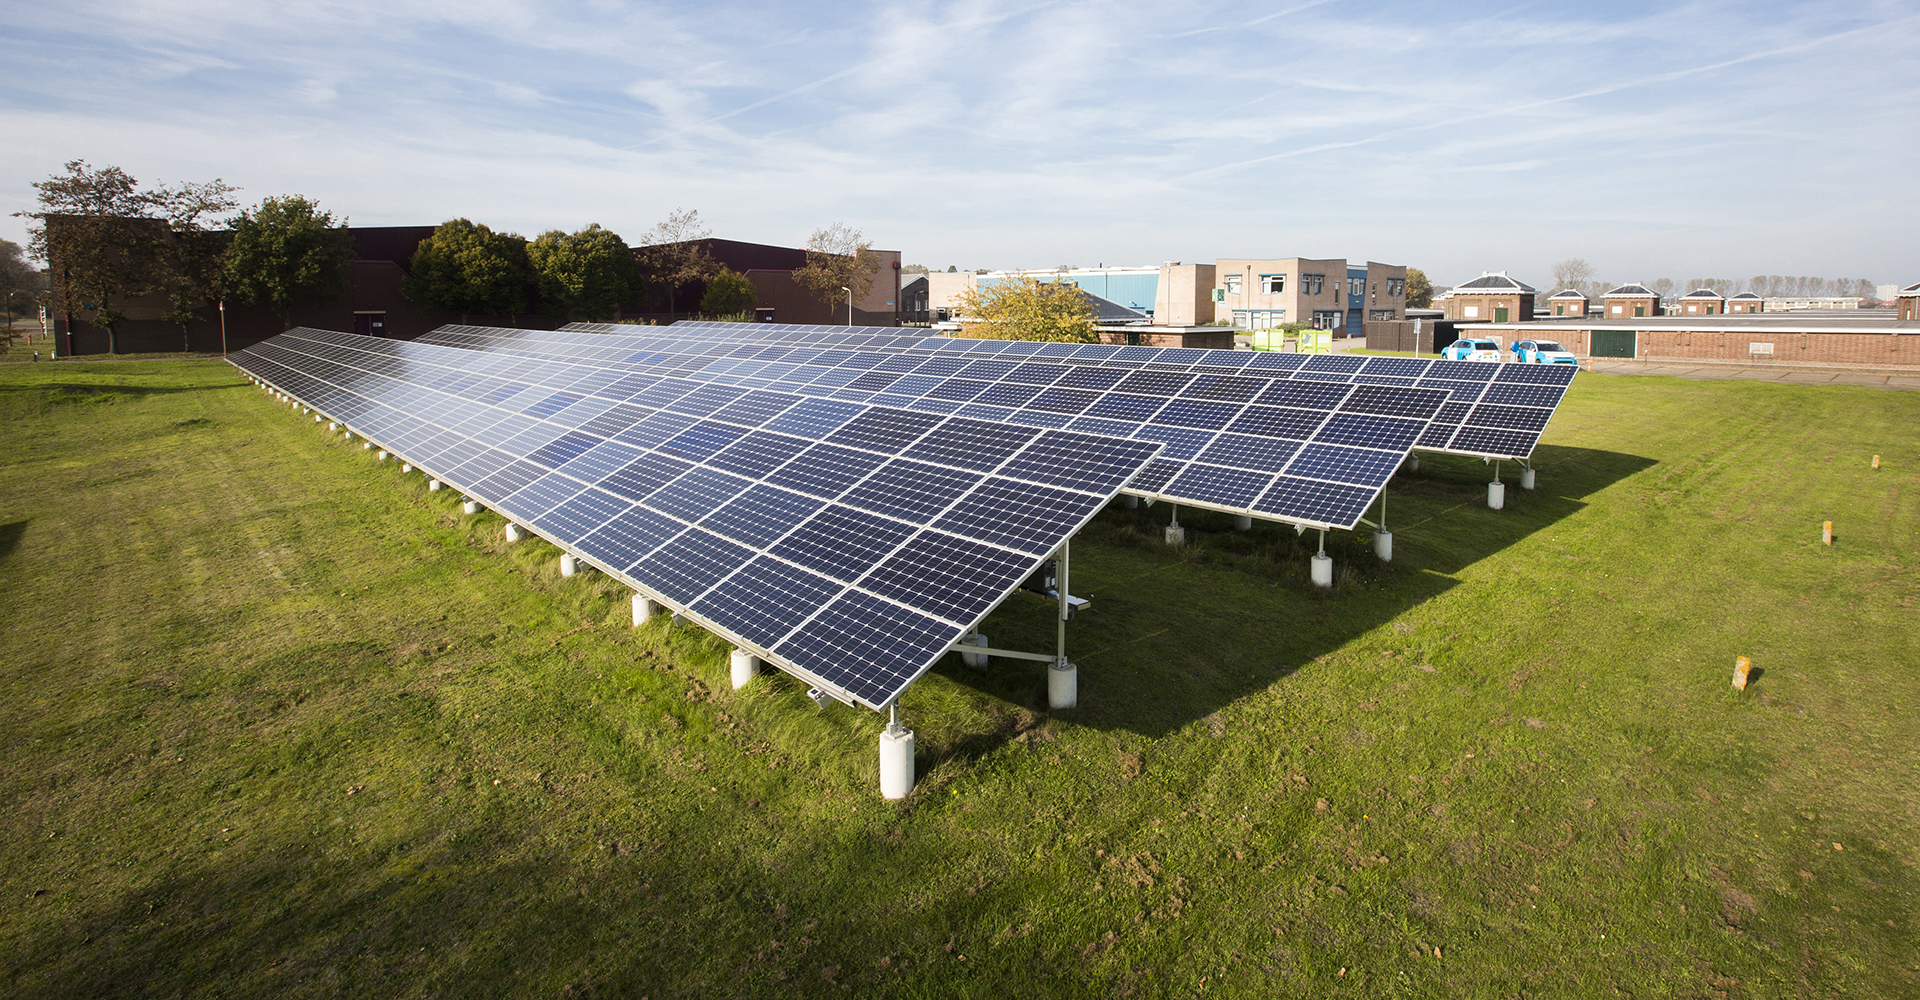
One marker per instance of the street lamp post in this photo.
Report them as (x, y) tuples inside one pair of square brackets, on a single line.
[(223, 328), (849, 292)]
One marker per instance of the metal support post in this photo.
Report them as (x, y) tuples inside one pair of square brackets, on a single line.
[(1382, 538), (1063, 678)]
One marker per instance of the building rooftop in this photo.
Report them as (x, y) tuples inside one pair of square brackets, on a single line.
[(1703, 293), (1493, 281), (1569, 294), (1747, 295), (1913, 289), (1633, 289), (1798, 321)]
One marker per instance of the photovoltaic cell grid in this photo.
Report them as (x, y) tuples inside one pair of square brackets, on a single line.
[(849, 544), (1306, 452), (1495, 410)]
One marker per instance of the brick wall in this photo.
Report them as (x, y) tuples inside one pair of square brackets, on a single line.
[(1732, 345)]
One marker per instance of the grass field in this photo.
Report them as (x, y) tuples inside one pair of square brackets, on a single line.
[(279, 722)]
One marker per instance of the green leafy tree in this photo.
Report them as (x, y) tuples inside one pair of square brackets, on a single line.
[(16, 278), (286, 252), (839, 261), (1026, 308), (673, 254), (96, 231), (192, 263), (468, 268), (1419, 289), (587, 274), (728, 294)]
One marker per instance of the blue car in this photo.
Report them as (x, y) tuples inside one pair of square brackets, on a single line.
[(1543, 352), (1472, 349)]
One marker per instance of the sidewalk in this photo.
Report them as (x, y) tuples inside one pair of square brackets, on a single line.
[(1878, 378)]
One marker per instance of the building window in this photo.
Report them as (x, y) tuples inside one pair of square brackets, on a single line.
[(1396, 287), (1312, 283), (1273, 284), (1616, 310), (1233, 284), (1380, 314), (1356, 287), (1328, 319), (1473, 312)]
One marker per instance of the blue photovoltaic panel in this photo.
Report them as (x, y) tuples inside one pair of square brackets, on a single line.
[(1189, 411), (854, 562), (1471, 381)]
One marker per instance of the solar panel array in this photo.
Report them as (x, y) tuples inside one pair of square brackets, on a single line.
[(1307, 452), (1494, 410), (850, 544)]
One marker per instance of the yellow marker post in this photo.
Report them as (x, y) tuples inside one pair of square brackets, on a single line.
[(1876, 461), (1741, 667), (1826, 532)]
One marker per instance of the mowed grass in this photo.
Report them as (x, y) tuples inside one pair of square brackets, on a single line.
[(279, 722)]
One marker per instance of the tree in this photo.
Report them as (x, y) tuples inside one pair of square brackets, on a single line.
[(467, 268), (192, 263), (1026, 308), (1572, 273), (16, 278), (1419, 289), (1662, 287), (838, 260), (589, 274), (673, 255), (729, 294), (97, 234), (285, 253)]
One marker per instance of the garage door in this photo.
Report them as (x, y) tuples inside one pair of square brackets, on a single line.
[(1613, 343)]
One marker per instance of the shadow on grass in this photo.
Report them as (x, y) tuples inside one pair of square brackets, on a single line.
[(1173, 636), (10, 535)]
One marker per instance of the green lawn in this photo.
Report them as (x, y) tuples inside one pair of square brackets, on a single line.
[(279, 722)]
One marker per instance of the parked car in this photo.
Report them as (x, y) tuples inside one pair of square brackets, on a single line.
[(1476, 349), (1543, 352)]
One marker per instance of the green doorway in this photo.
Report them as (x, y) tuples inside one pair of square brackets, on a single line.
[(1613, 343)]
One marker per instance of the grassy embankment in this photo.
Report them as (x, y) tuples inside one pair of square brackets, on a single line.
[(277, 721)]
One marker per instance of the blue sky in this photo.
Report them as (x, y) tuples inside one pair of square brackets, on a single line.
[(1682, 140)]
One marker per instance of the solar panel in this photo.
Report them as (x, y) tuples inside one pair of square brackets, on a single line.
[(1469, 382), (1253, 432), (835, 540)]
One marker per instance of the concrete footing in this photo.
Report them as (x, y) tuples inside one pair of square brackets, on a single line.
[(333, 426), (1130, 502), (471, 507), (406, 467), (1526, 479), (977, 661), (1412, 463), (1176, 535), (644, 607), (568, 564), (380, 456), (1321, 569), (1063, 685), (366, 446), (514, 532), (434, 486), (1242, 522), (1496, 495), (896, 762), (1383, 545), (744, 666)]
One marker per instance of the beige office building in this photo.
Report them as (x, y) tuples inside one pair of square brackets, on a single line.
[(1323, 293)]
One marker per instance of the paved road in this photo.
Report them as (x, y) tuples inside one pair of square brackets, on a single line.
[(1877, 378)]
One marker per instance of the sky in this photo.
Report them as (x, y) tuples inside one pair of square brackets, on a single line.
[(1653, 140)]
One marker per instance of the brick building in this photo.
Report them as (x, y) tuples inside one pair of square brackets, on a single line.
[(1567, 302), (1746, 302), (1909, 302), (1630, 302), (1703, 302), (1494, 296), (1761, 338)]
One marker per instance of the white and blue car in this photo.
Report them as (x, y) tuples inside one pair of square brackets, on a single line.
[(1543, 352), (1472, 349)]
